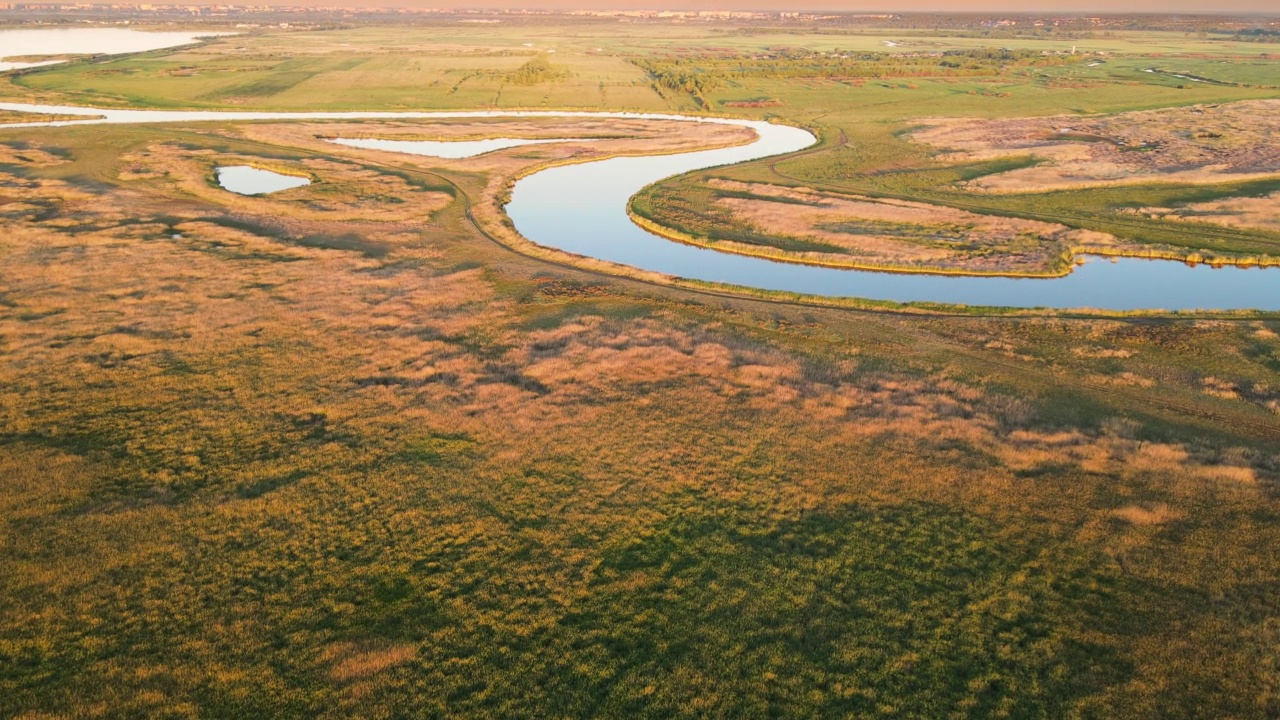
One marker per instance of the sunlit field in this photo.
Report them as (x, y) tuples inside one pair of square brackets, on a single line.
[(355, 449)]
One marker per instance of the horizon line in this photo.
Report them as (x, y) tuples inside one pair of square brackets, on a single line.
[(989, 7)]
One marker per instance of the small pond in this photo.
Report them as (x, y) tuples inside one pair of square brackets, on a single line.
[(247, 180), (448, 149)]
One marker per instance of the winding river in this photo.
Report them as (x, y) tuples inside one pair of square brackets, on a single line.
[(583, 209)]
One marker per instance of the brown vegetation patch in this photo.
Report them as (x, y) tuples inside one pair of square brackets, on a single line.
[(1262, 213), (901, 234), (769, 102), (349, 661), (1220, 388), (440, 341), (250, 447), (340, 191), (12, 117), (1124, 378), (609, 136), (1199, 144), (28, 155), (1153, 514), (1102, 352), (500, 169)]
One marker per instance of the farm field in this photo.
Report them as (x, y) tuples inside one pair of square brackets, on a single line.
[(351, 449)]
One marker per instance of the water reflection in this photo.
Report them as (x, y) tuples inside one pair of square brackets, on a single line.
[(582, 209), (247, 180), (35, 42)]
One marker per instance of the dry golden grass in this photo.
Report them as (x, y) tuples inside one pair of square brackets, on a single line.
[(611, 137), (899, 233), (1124, 378), (160, 292), (1102, 352), (27, 155), (500, 169), (8, 117), (350, 662), (1230, 142), (1238, 212), (248, 473), (1155, 514), (340, 191)]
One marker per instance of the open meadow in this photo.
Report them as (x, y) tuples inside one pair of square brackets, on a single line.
[(355, 449)]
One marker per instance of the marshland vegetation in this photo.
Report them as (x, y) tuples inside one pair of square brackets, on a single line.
[(333, 453)]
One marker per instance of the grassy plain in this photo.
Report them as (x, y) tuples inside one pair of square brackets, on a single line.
[(840, 230), (255, 463), (1094, 173)]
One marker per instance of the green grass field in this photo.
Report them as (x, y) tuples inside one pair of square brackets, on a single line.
[(389, 68), (259, 465)]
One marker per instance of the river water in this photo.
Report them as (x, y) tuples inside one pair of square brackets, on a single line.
[(583, 209)]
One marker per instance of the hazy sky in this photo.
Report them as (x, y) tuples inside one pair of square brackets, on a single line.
[(1111, 6)]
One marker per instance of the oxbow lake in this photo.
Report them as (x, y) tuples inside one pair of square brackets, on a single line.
[(35, 42), (583, 209)]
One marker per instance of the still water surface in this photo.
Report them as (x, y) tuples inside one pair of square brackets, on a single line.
[(27, 42), (246, 180), (582, 209)]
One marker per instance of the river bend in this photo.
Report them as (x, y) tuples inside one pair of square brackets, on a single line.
[(583, 209)]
